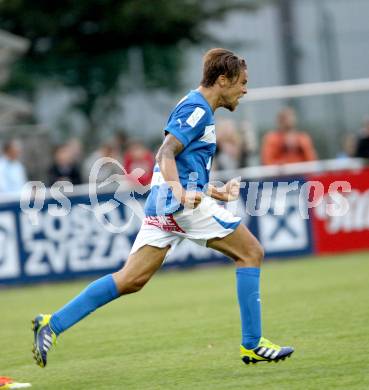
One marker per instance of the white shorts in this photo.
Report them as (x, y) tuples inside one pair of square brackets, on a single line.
[(208, 220)]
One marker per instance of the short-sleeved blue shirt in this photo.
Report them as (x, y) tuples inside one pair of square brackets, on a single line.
[(192, 123)]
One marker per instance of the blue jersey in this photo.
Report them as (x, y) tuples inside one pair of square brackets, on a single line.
[(192, 123)]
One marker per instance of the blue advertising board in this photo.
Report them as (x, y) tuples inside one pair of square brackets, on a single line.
[(52, 245), (278, 216)]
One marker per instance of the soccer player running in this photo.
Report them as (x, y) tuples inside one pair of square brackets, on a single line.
[(181, 205)]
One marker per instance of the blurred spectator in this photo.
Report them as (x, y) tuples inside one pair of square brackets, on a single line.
[(138, 156), (75, 149), (64, 166), (362, 148), (249, 144), (286, 144), (229, 145), (121, 141), (12, 173), (348, 147), (106, 150)]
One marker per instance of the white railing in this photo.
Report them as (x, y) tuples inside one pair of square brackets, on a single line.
[(275, 171), (308, 89)]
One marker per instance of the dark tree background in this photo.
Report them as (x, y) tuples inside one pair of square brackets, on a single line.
[(84, 43)]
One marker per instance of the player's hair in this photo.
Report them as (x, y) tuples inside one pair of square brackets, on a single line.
[(221, 62)]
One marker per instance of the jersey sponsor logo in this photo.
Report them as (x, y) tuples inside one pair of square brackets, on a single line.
[(194, 118)]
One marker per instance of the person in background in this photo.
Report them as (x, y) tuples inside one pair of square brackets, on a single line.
[(64, 166), (121, 141), (76, 150), (250, 148), (229, 145), (348, 147), (107, 149), (286, 144), (362, 147), (137, 155), (12, 173)]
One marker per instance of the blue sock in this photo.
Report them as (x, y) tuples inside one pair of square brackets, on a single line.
[(96, 294), (248, 281)]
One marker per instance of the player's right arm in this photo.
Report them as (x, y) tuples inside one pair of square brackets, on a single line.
[(168, 168)]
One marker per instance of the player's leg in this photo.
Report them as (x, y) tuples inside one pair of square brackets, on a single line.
[(138, 269), (241, 246), (246, 251)]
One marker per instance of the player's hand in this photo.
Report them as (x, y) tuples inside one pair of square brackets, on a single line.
[(232, 190), (191, 199), (226, 193)]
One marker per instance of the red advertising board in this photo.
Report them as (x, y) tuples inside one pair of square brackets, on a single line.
[(340, 219)]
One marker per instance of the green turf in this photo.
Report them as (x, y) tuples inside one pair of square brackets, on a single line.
[(182, 331)]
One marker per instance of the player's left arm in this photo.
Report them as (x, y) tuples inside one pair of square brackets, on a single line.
[(227, 193)]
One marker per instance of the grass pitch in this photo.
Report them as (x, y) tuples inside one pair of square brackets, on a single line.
[(182, 331)]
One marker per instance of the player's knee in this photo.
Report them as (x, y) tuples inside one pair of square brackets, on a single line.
[(253, 256), (257, 253), (138, 283), (129, 285)]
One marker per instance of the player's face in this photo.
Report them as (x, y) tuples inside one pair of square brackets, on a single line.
[(235, 90)]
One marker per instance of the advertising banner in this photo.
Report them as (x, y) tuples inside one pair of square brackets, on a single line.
[(277, 215), (54, 245), (341, 219), (95, 236)]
